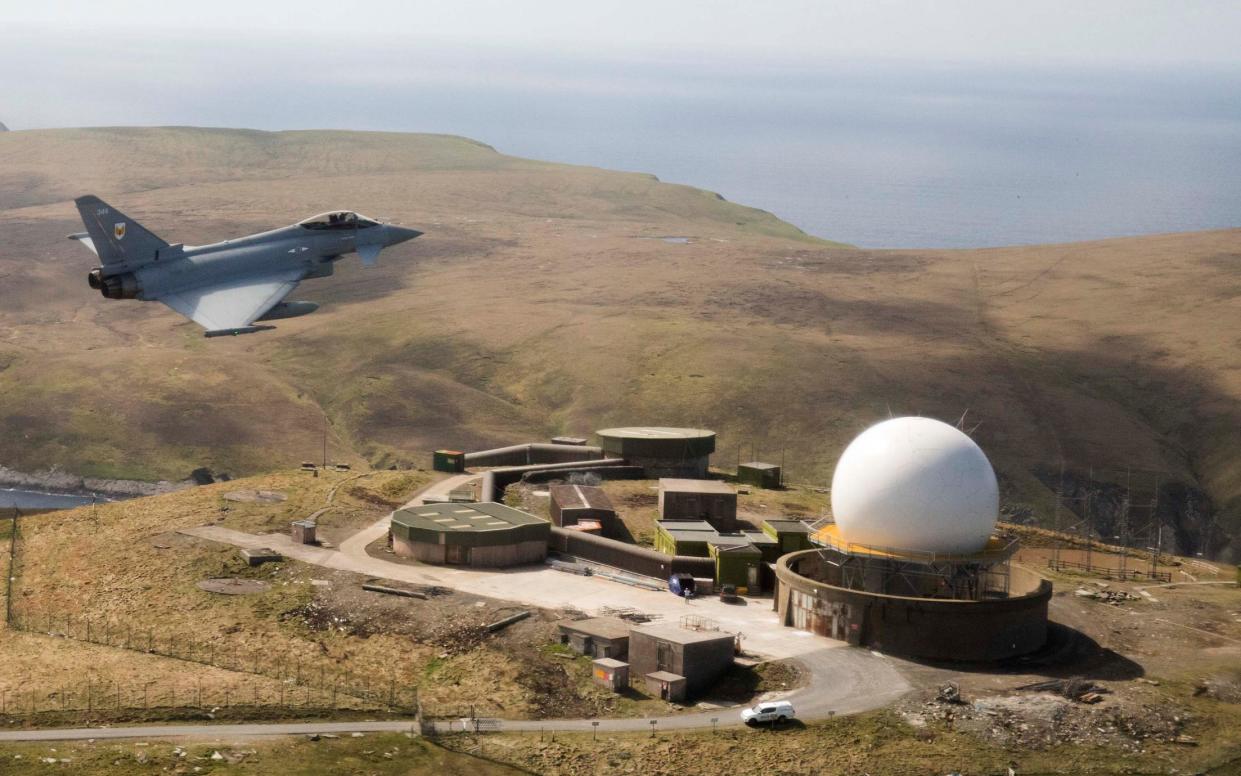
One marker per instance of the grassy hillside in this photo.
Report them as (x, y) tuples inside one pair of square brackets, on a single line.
[(541, 300)]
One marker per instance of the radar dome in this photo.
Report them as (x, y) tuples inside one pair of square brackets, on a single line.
[(915, 484)]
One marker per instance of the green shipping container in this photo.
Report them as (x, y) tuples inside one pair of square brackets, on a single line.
[(452, 461)]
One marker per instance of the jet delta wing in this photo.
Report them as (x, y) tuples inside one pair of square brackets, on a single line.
[(226, 287)]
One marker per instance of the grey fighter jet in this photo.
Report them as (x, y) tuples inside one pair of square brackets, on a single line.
[(226, 287)]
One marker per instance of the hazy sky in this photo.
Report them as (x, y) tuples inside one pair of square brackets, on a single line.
[(1043, 31)]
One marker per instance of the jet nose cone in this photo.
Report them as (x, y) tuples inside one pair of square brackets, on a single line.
[(399, 234)]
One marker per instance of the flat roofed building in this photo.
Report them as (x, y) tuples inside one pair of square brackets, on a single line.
[(571, 504), (611, 673), (486, 534), (710, 500), (597, 636), (737, 562), (791, 535), (684, 537), (759, 474), (700, 656), (768, 546), (666, 686)]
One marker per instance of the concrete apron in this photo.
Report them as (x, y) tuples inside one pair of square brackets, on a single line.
[(539, 585)]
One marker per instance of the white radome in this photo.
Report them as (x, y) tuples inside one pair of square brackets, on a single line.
[(915, 484)]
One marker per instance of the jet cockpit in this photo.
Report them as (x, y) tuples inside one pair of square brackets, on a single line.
[(343, 219)]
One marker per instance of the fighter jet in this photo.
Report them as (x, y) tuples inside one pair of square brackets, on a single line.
[(226, 287)]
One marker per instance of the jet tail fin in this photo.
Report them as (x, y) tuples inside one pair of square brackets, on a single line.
[(123, 244)]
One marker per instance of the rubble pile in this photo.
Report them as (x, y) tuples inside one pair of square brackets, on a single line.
[(1113, 597), (1049, 718), (455, 637), (1074, 688)]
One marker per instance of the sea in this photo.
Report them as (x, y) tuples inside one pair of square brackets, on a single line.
[(877, 153), (30, 499), (942, 158)]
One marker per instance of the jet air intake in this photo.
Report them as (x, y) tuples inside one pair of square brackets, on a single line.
[(124, 286)]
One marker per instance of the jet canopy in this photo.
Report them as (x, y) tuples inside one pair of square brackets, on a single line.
[(339, 220)]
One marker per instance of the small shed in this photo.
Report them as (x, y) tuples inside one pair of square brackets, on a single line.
[(737, 562), (710, 500), (667, 686), (700, 656), (597, 636), (303, 532), (570, 504), (611, 673), (791, 535), (759, 474), (570, 440), (452, 461)]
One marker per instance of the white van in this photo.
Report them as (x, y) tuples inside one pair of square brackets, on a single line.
[(768, 711)]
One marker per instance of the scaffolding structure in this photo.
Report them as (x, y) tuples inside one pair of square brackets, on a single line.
[(901, 572)]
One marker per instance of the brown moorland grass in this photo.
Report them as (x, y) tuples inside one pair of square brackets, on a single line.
[(536, 302), (123, 567)]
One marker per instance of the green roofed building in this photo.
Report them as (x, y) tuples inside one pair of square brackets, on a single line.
[(485, 534), (791, 535), (684, 537), (737, 562)]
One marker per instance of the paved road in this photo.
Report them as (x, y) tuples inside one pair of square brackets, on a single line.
[(841, 681), (248, 730)]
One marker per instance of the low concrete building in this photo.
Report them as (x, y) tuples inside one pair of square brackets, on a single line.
[(710, 500), (759, 474), (486, 534), (684, 537), (597, 636), (611, 673), (666, 686), (700, 656), (790, 535), (571, 504)]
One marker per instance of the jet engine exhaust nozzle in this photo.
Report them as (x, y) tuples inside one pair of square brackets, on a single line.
[(124, 286)]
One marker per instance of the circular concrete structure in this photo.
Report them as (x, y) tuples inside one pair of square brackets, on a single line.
[(486, 534), (662, 451), (916, 484), (814, 593)]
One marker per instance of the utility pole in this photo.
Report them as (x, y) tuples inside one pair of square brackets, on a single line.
[(1124, 526), (325, 441), (1055, 551)]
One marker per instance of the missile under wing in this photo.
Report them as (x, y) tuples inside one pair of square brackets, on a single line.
[(227, 287)]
